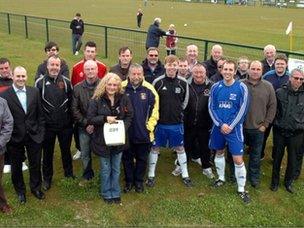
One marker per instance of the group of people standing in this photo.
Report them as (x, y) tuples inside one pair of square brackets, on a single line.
[(198, 109)]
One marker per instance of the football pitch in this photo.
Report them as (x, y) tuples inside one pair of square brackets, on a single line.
[(249, 25)]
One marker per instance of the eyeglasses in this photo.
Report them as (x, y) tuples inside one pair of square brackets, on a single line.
[(297, 78), (52, 49), (151, 55), (220, 67)]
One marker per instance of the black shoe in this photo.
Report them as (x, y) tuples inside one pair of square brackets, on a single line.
[(21, 198), (150, 182), (128, 187), (38, 194), (274, 187), (108, 201), (255, 184), (245, 197), (46, 185), (70, 176), (139, 188), (289, 189), (187, 182), (218, 183), (116, 200)]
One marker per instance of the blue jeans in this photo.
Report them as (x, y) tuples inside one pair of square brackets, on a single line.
[(254, 139), (76, 42), (109, 175), (84, 141)]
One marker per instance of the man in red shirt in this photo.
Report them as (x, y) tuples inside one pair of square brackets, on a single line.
[(89, 54), (78, 76)]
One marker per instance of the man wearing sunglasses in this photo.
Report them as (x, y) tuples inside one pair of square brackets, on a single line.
[(288, 129), (153, 67), (51, 48)]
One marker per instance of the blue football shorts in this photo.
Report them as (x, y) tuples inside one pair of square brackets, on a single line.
[(169, 135), (234, 140)]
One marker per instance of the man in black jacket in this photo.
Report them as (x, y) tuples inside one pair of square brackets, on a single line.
[(28, 133), (56, 93), (51, 48), (288, 129), (77, 26), (83, 92), (211, 64), (197, 119), (152, 66)]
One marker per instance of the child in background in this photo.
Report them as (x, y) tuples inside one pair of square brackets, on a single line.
[(171, 40)]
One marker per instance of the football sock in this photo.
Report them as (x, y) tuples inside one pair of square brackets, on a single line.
[(153, 156), (240, 175), (182, 159), (220, 162)]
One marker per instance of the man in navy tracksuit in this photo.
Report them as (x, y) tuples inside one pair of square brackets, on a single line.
[(141, 132)]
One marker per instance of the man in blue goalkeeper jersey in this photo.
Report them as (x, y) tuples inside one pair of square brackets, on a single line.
[(228, 104)]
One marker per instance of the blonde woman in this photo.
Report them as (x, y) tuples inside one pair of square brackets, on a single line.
[(108, 105)]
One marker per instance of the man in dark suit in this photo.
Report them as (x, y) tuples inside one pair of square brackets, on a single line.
[(28, 133)]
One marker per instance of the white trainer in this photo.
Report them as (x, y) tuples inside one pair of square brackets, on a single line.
[(76, 53), (77, 155), (7, 169), (24, 166), (208, 173), (177, 171)]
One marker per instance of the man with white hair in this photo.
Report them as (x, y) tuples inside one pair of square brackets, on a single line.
[(211, 64), (268, 61), (154, 34)]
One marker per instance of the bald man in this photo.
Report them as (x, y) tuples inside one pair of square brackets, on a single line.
[(83, 92), (28, 134)]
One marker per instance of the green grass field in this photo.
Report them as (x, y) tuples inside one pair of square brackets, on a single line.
[(169, 203), (256, 26)]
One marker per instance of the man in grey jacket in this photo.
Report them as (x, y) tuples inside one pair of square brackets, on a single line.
[(261, 113), (6, 129)]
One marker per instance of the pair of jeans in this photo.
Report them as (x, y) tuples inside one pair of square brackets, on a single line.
[(109, 175), (76, 42), (294, 145), (254, 139), (84, 141)]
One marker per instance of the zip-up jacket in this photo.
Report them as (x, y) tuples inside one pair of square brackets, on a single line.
[(81, 96), (173, 98), (150, 75), (211, 67), (77, 26), (228, 104), (98, 111), (5, 83), (276, 80), (290, 110), (145, 101), (196, 113), (56, 98)]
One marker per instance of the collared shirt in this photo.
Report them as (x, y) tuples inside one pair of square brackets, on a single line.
[(21, 94)]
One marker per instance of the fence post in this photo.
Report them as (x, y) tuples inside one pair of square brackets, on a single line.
[(206, 51), (106, 42), (8, 23), (25, 26), (47, 30)]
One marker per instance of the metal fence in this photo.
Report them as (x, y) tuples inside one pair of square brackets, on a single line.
[(110, 39)]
